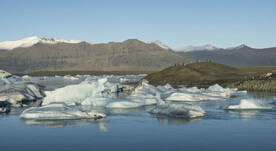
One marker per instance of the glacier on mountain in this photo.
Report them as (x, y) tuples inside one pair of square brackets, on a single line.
[(28, 42)]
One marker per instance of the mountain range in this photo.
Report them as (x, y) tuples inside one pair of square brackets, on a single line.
[(41, 54), (56, 54), (242, 55)]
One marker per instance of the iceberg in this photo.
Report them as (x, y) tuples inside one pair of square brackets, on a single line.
[(14, 90), (194, 94), (189, 97), (249, 104), (14, 94), (59, 111), (68, 77), (76, 94), (183, 110)]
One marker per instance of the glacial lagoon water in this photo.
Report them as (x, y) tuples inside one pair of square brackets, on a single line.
[(138, 129)]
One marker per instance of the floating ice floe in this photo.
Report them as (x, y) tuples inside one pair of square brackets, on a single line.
[(214, 92), (76, 94), (26, 77), (249, 104), (123, 80), (14, 94), (59, 111), (179, 110), (13, 90), (68, 77)]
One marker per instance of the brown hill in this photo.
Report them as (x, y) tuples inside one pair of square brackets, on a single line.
[(130, 55), (201, 74)]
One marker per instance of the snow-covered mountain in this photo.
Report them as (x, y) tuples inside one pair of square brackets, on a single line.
[(197, 48), (160, 44), (238, 47), (28, 42)]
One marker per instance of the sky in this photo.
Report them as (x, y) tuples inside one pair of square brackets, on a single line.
[(177, 23)]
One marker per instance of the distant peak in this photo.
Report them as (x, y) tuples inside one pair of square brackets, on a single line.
[(242, 46), (238, 47), (160, 44), (30, 41)]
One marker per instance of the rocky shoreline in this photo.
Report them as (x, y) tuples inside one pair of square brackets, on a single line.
[(255, 85)]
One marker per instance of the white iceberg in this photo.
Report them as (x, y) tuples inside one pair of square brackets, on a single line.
[(123, 80), (100, 94), (249, 104), (14, 94), (59, 111), (189, 97), (11, 79), (214, 92), (26, 77), (179, 110), (68, 77), (76, 94)]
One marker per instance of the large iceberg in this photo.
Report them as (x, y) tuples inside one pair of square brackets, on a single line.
[(76, 94), (59, 111), (14, 90), (100, 93), (249, 104)]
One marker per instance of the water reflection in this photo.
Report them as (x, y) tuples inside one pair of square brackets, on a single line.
[(245, 114), (101, 123), (120, 111)]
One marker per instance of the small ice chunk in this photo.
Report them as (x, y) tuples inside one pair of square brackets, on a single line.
[(123, 80), (26, 77), (189, 97), (59, 111), (179, 110), (249, 104), (68, 77)]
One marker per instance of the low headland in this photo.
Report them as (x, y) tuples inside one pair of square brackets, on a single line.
[(205, 74)]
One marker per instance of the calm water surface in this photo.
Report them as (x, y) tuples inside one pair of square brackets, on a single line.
[(137, 129)]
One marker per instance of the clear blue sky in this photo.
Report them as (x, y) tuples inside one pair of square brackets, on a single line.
[(177, 23)]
